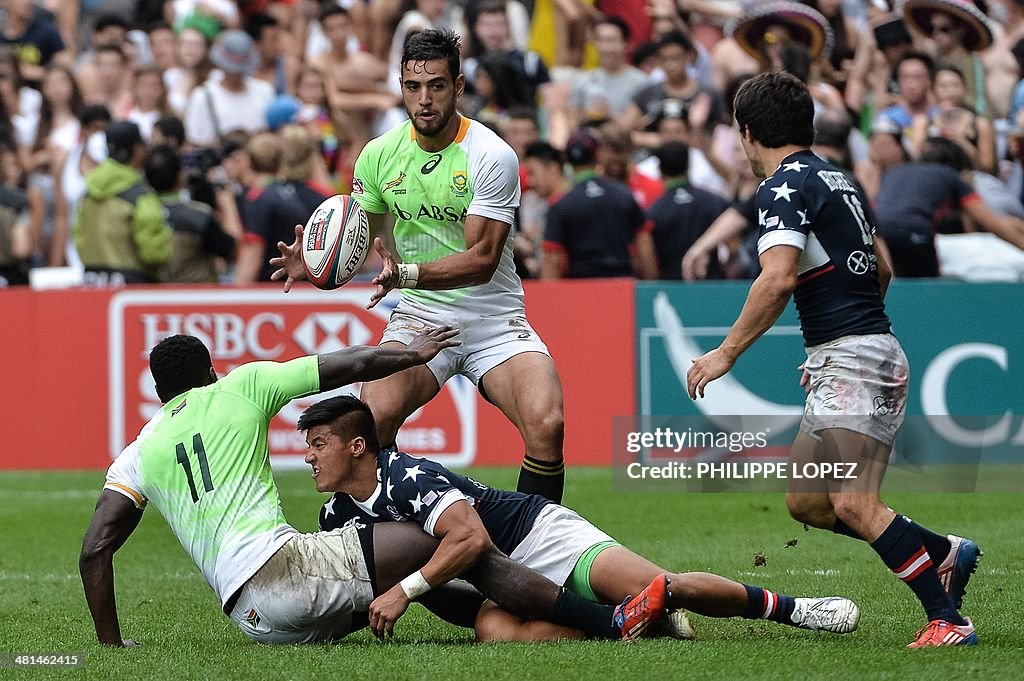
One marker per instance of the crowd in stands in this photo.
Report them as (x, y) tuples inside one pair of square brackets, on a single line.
[(179, 140)]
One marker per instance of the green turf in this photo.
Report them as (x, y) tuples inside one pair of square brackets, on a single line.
[(164, 603)]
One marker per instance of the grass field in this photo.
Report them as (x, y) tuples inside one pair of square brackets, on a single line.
[(164, 603)]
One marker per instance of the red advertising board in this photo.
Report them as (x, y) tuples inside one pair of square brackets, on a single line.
[(76, 386)]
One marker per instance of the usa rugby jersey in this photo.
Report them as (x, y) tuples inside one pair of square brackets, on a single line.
[(420, 490), (812, 205)]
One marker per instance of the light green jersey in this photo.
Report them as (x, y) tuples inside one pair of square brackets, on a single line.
[(431, 193), (202, 460)]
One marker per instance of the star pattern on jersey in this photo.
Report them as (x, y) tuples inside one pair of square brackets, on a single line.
[(329, 508), (417, 503), (392, 457), (795, 165), (411, 473), (803, 217), (761, 215), (387, 490), (446, 480), (783, 192)]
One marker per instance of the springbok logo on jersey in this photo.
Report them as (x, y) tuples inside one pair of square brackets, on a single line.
[(460, 183), (395, 182)]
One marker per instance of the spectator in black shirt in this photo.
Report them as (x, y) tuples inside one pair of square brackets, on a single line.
[(680, 216), (197, 239), (34, 36), (591, 230)]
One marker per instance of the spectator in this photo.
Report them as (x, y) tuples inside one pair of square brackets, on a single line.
[(149, 100), (914, 75), (70, 171), (913, 199), (34, 36), (315, 115), (161, 46), (614, 161), (603, 93), (210, 16), (590, 231), (284, 203), (544, 167), (274, 66), (952, 118), (120, 232), (498, 89), (679, 217), (21, 102), (236, 101), (197, 239), (15, 237), (109, 30), (357, 93), (490, 35), (113, 86), (954, 31), (168, 130), (193, 69)]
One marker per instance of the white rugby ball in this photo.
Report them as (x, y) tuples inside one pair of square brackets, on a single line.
[(335, 242)]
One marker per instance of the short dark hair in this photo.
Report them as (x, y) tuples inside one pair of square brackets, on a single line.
[(94, 113), (676, 38), (618, 23), (347, 416), (832, 129), (105, 21), (332, 10), (945, 152), (523, 112), (434, 44), (158, 26), (259, 22), (163, 166), (925, 59), (796, 60), (172, 127), (544, 152), (777, 109), (673, 159), (179, 363), (952, 69)]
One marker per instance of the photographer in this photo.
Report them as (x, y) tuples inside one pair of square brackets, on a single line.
[(197, 238)]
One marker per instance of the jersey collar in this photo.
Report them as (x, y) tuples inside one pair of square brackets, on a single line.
[(367, 506)]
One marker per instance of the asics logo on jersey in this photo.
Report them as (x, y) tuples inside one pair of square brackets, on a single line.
[(431, 163)]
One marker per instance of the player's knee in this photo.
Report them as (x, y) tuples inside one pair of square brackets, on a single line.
[(545, 431), (494, 624), (850, 508), (804, 508)]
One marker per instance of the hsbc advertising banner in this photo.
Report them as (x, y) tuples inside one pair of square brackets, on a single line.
[(248, 326), (77, 388)]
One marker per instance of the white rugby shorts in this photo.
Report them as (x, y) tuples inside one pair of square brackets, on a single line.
[(307, 591), (858, 383), (558, 538), (487, 340)]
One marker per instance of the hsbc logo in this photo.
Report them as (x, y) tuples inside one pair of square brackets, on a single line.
[(260, 325)]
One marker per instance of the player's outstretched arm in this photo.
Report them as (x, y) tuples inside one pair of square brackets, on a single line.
[(485, 240), (289, 263), (767, 299), (464, 541), (368, 363), (115, 518)]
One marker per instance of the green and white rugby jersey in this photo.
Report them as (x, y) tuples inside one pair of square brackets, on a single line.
[(202, 460), (431, 193)]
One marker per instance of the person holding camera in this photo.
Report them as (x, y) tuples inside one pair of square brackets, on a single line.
[(197, 238)]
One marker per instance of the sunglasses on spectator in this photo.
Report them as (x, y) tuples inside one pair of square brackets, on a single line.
[(943, 28)]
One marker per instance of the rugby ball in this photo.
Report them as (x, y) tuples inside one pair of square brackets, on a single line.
[(335, 242)]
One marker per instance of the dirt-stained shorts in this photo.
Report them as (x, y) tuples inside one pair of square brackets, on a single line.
[(307, 591), (858, 383)]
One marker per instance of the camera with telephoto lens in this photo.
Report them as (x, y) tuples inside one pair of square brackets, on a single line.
[(199, 164)]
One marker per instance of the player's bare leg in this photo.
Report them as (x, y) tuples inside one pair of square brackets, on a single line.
[(905, 547), (617, 571), (807, 499), (393, 399), (526, 388), (402, 548), (495, 624)]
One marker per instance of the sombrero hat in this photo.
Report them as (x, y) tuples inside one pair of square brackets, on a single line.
[(977, 34), (806, 26)]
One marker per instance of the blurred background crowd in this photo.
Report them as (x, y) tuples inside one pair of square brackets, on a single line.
[(180, 140)]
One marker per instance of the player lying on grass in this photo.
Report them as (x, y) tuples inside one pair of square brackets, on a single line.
[(471, 519), (202, 460)]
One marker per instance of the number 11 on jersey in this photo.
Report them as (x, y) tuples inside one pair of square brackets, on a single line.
[(204, 465)]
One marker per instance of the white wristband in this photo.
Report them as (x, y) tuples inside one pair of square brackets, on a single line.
[(414, 585), (408, 275)]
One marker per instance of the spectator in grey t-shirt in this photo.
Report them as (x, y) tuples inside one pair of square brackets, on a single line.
[(604, 93)]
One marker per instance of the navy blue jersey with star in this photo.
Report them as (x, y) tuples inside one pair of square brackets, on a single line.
[(811, 205), (420, 490)]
